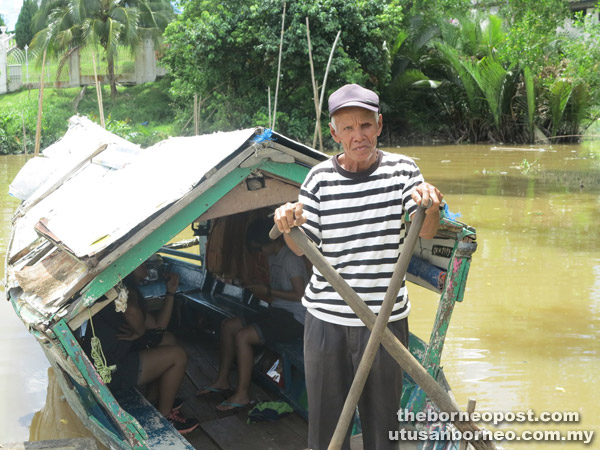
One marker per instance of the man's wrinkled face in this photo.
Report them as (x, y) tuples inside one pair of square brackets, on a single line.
[(357, 129)]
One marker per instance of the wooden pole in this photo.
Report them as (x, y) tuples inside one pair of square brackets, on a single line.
[(394, 347), (314, 85), (380, 326), (38, 129), (24, 135), (318, 125), (98, 92), (278, 68), (470, 409), (269, 104), (195, 114)]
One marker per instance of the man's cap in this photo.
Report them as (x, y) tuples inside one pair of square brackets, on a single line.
[(353, 95)]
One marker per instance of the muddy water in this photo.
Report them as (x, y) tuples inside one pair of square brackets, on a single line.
[(527, 334), (525, 337)]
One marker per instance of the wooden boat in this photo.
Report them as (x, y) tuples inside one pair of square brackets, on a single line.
[(95, 206)]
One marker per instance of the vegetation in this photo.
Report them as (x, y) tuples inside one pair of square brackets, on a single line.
[(227, 53), (24, 29), (74, 24), (141, 114), (513, 77), (2, 23), (445, 70)]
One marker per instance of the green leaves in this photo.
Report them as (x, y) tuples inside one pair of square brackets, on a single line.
[(227, 53)]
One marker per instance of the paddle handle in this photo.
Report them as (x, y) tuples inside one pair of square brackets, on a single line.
[(394, 347), (380, 326)]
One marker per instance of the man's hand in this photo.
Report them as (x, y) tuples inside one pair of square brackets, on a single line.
[(425, 192), (289, 216)]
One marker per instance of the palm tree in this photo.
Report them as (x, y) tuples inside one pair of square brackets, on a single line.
[(74, 24)]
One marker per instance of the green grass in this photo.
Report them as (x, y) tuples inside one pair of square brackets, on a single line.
[(142, 114)]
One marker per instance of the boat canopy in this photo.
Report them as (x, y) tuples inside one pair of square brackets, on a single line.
[(92, 197)]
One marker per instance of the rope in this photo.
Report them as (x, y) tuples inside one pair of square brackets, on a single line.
[(121, 300), (103, 370)]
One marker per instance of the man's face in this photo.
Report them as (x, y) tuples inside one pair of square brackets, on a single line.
[(357, 131)]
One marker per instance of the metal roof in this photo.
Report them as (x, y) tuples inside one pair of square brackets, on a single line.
[(92, 191)]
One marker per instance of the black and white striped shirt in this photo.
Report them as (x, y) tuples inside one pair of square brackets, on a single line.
[(358, 221)]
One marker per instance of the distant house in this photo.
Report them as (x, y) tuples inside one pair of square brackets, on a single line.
[(588, 7)]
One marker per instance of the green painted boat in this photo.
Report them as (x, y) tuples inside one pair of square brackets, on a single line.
[(94, 207)]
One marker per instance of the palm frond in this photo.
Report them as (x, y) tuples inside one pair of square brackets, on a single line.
[(560, 92)]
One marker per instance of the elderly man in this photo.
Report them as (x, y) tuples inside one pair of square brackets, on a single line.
[(353, 207)]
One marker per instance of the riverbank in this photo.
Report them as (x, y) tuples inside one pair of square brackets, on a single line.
[(142, 114)]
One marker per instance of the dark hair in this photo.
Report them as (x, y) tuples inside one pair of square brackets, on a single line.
[(258, 233)]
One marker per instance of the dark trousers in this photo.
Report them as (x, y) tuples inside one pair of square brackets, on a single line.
[(332, 354)]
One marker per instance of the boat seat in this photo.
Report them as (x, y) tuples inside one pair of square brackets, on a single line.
[(224, 299), (292, 354)]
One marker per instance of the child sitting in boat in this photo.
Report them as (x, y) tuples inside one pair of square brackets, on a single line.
[(135, 341), (282, 322)]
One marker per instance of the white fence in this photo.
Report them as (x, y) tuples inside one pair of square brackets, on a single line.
[(18, 67)]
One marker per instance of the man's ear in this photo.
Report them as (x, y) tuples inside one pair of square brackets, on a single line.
[(333, 133), (380, 125)]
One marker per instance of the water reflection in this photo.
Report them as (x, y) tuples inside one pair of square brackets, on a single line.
[(56, 420)]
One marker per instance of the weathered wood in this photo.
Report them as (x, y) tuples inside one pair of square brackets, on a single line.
[(470, 409), (49, 277), (240, 199), (78, 320), (233, 433)]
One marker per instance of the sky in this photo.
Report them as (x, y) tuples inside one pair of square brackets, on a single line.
[(9, 9)]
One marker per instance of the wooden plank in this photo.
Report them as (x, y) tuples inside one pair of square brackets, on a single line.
[(240, 199), (233, 433), (161, 434)]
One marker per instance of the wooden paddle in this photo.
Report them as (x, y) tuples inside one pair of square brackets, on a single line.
[(394, 347), (380, 326)]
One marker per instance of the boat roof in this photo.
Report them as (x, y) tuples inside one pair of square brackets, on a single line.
[(92, 192)]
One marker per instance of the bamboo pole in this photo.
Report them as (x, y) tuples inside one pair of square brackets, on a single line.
[(390, 342), (314, 83), (38, 129), (195, 114), (24, 136), (269, 104), (318, 125), (98, 92), (278, 68)]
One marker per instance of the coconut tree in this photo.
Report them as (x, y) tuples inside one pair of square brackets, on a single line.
[(108, 24)]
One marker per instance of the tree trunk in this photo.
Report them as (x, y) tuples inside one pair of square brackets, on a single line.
[(111, 76)]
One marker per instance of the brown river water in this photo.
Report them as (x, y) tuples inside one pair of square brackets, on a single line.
[(526, 337)]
